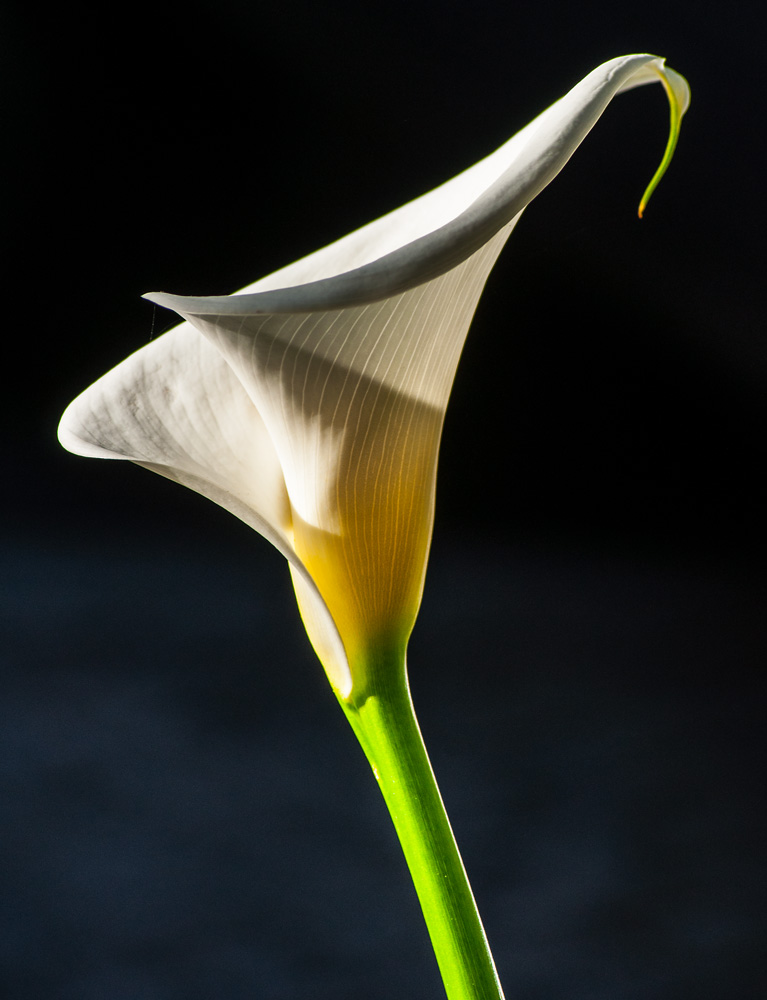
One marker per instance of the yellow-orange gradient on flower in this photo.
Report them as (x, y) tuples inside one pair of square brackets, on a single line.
[(311, 403)]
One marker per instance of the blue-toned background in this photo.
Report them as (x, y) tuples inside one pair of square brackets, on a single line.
[(184, 814)]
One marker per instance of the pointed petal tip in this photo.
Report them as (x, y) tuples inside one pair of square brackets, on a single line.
[(159, 298), (678, 93), (70, 437)]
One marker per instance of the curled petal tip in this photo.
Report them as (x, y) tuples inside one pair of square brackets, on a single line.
[(678, 93)]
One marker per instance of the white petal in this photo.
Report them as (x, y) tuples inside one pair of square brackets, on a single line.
[(314, 408), (434, 233), (354, 400), (176, 407)]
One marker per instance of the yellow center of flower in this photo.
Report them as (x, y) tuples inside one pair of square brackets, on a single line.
[(369, 564)]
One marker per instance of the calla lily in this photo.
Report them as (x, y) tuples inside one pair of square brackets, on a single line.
[(310, 404)]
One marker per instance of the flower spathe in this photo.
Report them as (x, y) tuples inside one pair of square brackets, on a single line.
[(311, 403)]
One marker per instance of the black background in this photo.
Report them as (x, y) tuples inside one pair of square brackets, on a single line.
[(184, 812)]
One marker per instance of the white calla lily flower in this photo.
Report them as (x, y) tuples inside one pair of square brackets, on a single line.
[(311, 403)]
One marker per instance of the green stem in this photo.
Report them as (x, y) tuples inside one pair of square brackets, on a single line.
[(385, 724)]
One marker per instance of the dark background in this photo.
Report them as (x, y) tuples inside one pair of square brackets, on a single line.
[(185, 814)]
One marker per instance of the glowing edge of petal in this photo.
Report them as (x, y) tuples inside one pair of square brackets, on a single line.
[(337, 668), (451, 242), (336, 664)]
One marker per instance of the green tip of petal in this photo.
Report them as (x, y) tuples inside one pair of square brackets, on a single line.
[(678, 93)]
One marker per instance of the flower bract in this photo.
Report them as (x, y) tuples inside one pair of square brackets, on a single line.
[(310, 404)]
